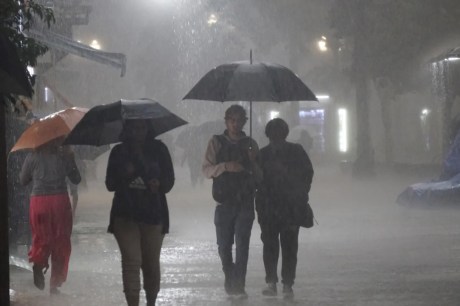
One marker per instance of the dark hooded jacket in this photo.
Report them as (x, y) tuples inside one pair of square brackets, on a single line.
[(132, 199), (287, 177)]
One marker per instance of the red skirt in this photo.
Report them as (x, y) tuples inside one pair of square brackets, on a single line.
[(51, 226)]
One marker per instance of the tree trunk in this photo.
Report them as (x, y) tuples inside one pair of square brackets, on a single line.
[(4, 245), (447, 103), (364, 163), (386, 96)]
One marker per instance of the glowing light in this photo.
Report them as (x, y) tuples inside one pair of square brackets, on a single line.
[(322, 97), (452, 59), (95, 45), (343, 130), (274, 114), (212, 19), (47, 95), (31, 70), (322, 44)]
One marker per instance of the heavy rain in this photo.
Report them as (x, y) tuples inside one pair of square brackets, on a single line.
[(381, 132)]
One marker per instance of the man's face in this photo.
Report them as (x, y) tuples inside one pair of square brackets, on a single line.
[(235, 123)]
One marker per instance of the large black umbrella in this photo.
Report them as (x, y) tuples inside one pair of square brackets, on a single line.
[(103, 124), (13, 75), (248, 81)]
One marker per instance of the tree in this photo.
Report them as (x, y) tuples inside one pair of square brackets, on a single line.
[(389, 41), (15, 17)]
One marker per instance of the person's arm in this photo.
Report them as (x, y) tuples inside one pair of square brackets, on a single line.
[(210, 166), (71, 167), (167, 176), (119, 171), (25, 176), (304, 167), (255, 166)]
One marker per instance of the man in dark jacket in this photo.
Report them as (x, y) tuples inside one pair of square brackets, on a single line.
[(230, 162), (287, 176)]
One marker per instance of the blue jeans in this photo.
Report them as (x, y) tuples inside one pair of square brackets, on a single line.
[(233, 223)]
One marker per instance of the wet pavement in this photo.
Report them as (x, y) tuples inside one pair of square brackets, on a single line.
[(366, 250)]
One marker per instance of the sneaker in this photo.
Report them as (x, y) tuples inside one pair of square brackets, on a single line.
[(39, 278), (54, 291), (287, 291), (270, 290), (240, 295)]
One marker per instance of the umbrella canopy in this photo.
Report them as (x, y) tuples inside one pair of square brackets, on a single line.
[(103, 123), (51, 127), (84, 152), (246, 81), (13, 76)]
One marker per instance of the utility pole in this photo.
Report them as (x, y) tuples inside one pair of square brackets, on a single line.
[(4, 228)]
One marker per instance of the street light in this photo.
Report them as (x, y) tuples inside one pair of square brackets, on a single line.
[(95, 45), (322, 44), (343, 130), (212, 19)]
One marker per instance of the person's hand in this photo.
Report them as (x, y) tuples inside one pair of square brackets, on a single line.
[(233, 166), (153, 185), (252, 154)]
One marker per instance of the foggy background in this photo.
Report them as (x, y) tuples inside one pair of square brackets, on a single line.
[(365, 249)]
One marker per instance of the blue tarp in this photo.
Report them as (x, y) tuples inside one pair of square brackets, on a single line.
[(445, 189)]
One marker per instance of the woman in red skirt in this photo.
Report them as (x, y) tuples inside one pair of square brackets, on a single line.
[(50, 211)]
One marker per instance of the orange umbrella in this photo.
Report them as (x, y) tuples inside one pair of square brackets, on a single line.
[(53, 126)]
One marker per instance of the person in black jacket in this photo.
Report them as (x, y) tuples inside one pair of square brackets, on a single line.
[(140, 171), (287, 177)]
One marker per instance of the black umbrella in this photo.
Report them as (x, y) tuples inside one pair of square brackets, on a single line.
[(13, 75), (103, 124), (85, 152), (248, 81)]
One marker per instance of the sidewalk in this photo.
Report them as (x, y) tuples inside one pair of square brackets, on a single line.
[(366, 250)]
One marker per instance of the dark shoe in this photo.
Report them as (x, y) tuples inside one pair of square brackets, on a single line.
[(270, 290), (288, 293), (39, 278), (240, 295)]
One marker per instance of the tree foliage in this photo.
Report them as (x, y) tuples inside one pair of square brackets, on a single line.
[(16, 17), (395, 36)]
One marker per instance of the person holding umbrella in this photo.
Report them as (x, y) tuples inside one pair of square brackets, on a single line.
[(50, 211), (287, 177), (140, 172), (230, 160)]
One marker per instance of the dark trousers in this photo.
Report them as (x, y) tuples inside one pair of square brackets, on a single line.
[(233, 225), (272, 234)]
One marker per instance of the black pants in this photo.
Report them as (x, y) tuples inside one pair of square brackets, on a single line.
[(234, 224), (272, 234)]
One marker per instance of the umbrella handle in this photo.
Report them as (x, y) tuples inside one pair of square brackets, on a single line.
[(250, 121), (250, 104)]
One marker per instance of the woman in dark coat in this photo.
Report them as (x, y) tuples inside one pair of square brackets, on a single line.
[(287, 176), (140, 171)]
